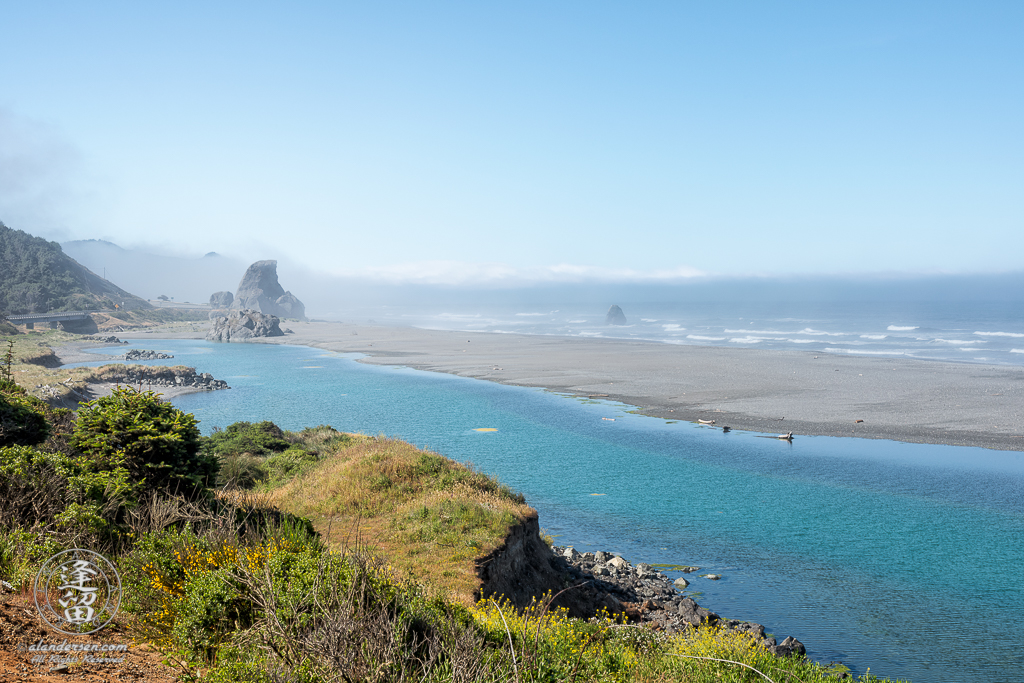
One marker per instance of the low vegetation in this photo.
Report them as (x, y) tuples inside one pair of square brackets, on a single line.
[(263, 555)]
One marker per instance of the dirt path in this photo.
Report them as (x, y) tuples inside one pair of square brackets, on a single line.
[(21, 627)]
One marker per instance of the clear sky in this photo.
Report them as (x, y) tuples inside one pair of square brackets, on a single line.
[(447, 140)]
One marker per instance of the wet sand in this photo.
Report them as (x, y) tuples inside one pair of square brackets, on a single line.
[(751, 389)]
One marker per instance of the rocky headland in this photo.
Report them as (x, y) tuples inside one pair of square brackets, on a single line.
[(585, 584), (646, 596)]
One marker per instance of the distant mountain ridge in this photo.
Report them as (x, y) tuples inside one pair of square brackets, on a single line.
[(36, 276), (152, 275)]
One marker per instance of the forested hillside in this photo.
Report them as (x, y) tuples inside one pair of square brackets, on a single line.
[(36, 276)]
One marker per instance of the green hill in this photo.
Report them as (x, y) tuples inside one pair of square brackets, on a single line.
[(36, 276)]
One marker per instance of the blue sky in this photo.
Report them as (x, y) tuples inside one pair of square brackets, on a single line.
[(444, 141)]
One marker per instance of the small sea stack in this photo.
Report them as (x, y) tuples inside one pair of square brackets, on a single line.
[(615, 316)]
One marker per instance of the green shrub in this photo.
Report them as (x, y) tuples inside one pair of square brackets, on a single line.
[(54, 490), (22, 417), (283, 466), (262, 438), (212, 608), (155, 442)]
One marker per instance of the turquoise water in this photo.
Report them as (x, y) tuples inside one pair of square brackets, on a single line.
[(906, 558)]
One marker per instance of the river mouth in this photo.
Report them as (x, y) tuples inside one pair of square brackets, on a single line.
[(852, 546)]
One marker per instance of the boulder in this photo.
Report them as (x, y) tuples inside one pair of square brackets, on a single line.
[(618, 563), (615, 316), (681, 583), (243, 325), (260, 291), (790, 646), (221, 299)]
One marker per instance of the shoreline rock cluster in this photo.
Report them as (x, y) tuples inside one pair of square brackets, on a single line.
[(140, 354), (105, 340), (181, 377), (650, 598)]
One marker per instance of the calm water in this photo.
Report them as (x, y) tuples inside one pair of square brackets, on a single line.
[(906, 558)]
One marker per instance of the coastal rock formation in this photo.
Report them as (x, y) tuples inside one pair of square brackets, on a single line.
[(584, 583), (221, 299), (243, 325), (162, 376), (615, 316), (105, 340), (260, 291), (649, 597), (140, 354)]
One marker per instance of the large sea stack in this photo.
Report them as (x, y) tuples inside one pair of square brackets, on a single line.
[(260, 291), (615, 316)]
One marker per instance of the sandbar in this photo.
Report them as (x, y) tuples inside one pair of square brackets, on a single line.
[(766, 391)]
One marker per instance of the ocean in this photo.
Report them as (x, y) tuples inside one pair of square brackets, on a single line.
[(905, 558), (968, 332)]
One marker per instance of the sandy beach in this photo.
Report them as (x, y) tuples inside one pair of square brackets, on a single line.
[(750, 389)]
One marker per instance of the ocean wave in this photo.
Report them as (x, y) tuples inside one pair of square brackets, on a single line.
[(960, 341), (535, 314), (748, 332), (999, 334), (873, 336), (900, 328), (818, 333), (1016, 350), (698, 337), (648, 320), (747, 340), (672, 327), (576, 322), (802, 341), (835, 349)]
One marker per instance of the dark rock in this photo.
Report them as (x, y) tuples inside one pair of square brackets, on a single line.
[(162, 376), (243, 325), (221, 299), (648, 597), (790, 646), (260, 291), (615, 316), (139, 354)]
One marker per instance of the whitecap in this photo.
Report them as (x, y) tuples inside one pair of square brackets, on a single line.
[(1016, 350), (746, 340), (672, 327), (698, 337), (576, 322), (873, 336), (999, 334), (648, 320), (900, 328), (818, 333), (960, 341), (748, 332), (834, 349)]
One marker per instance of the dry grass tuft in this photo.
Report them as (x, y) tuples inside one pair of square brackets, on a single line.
[(429, 516)]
